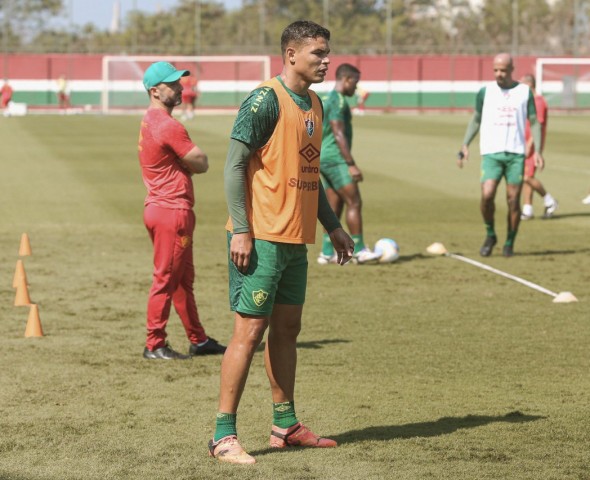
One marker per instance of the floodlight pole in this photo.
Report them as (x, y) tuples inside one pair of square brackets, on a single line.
[(197, 27), (388, 42), (261, 23), (514, 28), (135, 28), (7, 12)]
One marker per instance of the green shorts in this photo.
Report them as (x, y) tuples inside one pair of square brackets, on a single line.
[(503, 164), (277, 274), (335, 175)]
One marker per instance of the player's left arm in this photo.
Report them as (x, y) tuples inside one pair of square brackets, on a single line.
[(189, 156), (536, 131), (195, 161)]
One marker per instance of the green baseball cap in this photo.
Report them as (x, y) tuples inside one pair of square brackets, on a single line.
[(160, 72)]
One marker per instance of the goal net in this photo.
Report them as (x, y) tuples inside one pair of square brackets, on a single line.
[(564, 82), (222, 81)]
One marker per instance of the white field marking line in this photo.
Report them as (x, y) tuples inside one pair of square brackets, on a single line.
[(503, 274)]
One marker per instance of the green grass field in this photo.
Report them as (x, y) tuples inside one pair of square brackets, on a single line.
[(427, 368)]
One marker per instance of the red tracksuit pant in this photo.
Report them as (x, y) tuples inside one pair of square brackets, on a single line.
[(171, 231)]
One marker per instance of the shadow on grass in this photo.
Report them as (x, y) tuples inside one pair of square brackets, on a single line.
[(552, 252), (442, 426), (415, 256), (312, 345), (540, 253), (320, 343), (567, 215)]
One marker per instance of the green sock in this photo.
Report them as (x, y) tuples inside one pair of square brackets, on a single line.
[(225, 424), (490, 229), (327, 247), (283, 414), (359, 244), (510, 238)]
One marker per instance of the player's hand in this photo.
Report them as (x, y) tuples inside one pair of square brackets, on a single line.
[(343, 244), (355, 173), (240, 249), (539, 161), (462, 156)]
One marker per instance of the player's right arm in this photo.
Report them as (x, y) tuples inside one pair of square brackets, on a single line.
[(337, 127), (472, 128), (334, 109), (252, 129)]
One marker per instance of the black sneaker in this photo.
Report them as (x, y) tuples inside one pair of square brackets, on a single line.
[(210, 347), (164, 353), (508, 251), (488, 245)]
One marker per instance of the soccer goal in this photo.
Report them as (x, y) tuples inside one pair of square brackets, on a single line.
[(564, 82), (223, 81)]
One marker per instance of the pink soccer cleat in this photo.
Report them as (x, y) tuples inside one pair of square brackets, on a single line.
[(298, 436)]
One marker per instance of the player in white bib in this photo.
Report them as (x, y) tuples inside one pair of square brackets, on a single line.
[(501, 111)]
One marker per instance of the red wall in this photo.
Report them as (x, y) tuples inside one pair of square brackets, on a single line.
[(376, 68)]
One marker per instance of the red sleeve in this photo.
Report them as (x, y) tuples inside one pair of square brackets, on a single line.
[(175, 136), (541, 107)]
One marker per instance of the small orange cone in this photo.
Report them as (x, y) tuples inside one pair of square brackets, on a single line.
[(22, 294), (34, 328), (25, 246), (19, 273)]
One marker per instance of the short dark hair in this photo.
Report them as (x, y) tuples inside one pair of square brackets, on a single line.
[(300, 30), (346, 70)]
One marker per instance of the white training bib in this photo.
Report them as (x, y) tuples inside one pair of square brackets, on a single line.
[(503, 119)]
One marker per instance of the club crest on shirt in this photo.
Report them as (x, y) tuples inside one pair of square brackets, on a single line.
[(259, 297), (309, 126), (185, 241)]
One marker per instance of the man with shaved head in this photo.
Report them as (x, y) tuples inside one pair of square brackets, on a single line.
[(502, 109)]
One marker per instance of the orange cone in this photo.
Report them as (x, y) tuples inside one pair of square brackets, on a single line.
[(22, 294), (19, 273), (25, 246), (34, 328)]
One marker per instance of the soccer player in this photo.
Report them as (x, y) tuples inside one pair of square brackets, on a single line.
[(190, 95), (168, 159), (501, 110), (275, 198), (5, 94), (531, 184), (63, 92), (361, 99), (340, 174)]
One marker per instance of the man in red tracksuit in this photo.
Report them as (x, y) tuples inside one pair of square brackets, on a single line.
[(168, 158)]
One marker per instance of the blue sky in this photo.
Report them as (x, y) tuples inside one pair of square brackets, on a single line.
[(100, 12)]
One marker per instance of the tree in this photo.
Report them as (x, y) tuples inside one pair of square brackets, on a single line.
[(25, 16)]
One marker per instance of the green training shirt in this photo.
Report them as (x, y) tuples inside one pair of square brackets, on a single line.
[(336, 108)]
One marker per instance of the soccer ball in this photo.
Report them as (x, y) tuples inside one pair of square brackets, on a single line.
[(388, 249)]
